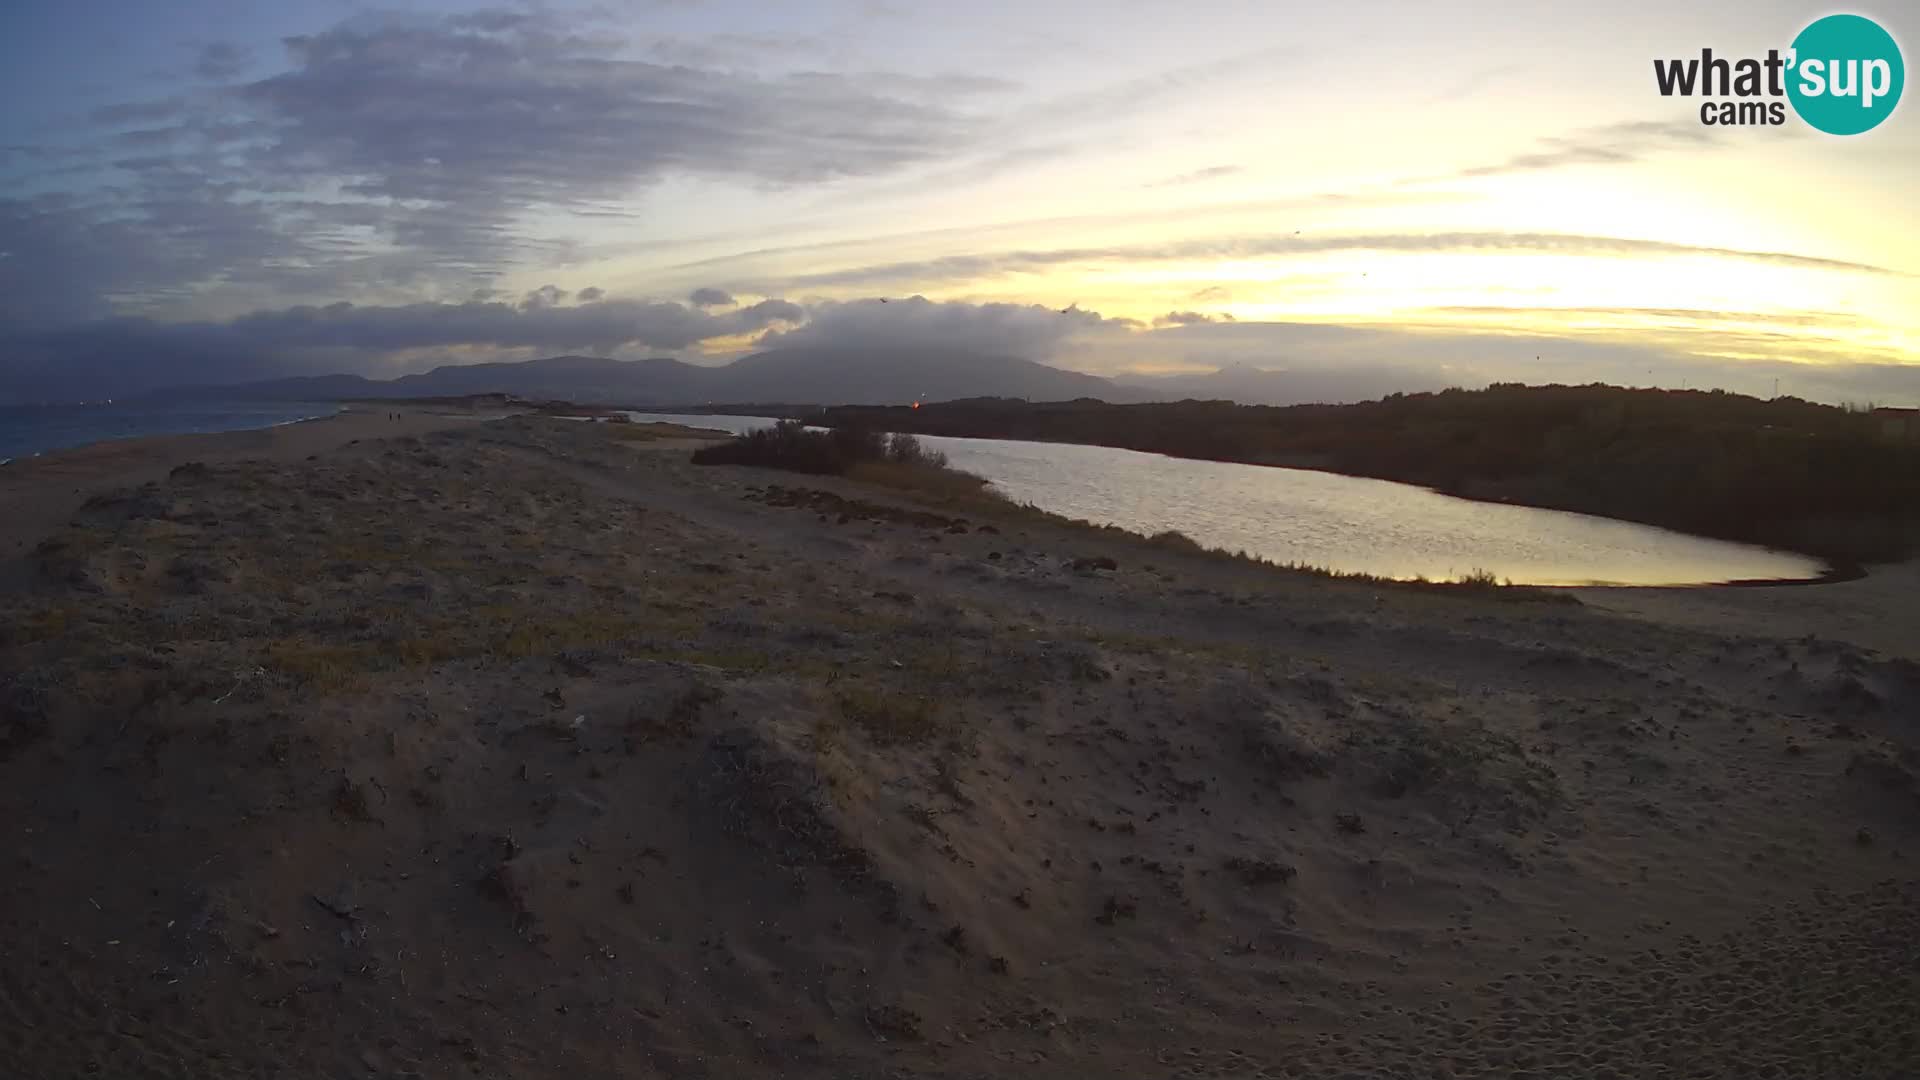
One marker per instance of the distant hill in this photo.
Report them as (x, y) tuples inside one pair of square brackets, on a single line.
[(1259, 386), (300, 388), (877, 376), (823, 376)]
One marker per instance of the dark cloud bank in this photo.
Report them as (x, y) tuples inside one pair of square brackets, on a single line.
[(402, 153), (1272, 362), (133, 354)]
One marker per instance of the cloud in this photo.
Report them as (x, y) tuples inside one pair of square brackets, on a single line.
[(709, 297), (543, 297), (1270, 361), (1022, 330), (67, 258), (126, 355), (417, 110), (1187, 216), (1189, 318), (1123, 101), (221, 61), (771, 311), (138, 112), (1199, 176), (1284, 362), (1062, 127), (1610, 144), (1311, 361), (733, 49), (1808, 319), (538, 322), (415, 151), (1475, 82), (990, 264)]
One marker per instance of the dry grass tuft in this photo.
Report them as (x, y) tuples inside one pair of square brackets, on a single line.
[(546, 635), (888, 717), (641, 433), (1282, 747), (321, 666), (944, 485)]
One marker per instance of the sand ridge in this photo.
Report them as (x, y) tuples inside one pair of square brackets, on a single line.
[(504, 750)]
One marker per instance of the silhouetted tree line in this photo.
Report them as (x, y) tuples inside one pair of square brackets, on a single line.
[(1786, 472)]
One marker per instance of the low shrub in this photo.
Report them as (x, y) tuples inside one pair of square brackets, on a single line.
[(896, 461), (791, 445), (904, 449)]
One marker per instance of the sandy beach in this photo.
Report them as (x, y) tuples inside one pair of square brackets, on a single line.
[(40, 493), (526, 748)]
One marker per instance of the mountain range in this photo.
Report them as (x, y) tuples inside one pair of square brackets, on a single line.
[(815, 376), (792, 376)]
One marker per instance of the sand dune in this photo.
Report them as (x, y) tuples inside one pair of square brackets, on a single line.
[(505, 750)]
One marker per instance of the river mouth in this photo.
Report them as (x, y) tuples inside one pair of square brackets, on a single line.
[(1348, 524)]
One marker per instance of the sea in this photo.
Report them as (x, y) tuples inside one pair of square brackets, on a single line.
[(30, 430)]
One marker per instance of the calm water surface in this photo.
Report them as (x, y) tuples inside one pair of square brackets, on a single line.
[(26, 430), (1340, 522)]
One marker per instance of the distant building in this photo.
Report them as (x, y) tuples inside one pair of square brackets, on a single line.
[(1899, 423)]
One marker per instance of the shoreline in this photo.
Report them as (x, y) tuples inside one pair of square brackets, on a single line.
[(1334, 471), (40, 493), (1833, 564), (1835, 570), (34, 455), (465, 408), (345, 410)]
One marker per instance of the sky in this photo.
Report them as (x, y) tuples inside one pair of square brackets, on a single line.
[(1401, 195)]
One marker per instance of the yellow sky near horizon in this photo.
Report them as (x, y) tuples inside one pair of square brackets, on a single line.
[(1744, 193)]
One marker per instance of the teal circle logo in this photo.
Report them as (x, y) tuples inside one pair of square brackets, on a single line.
[(1846, 74)]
